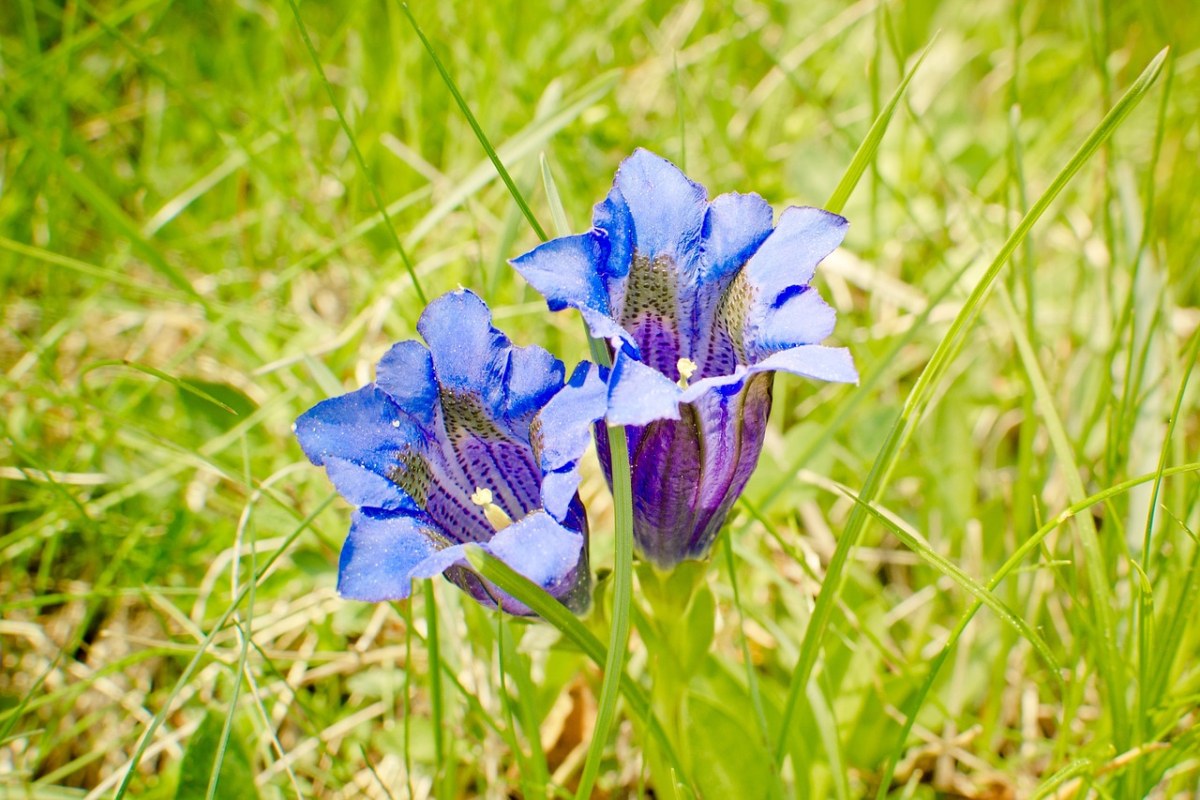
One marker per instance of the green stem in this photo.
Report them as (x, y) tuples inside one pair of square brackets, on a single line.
[(622, 593)]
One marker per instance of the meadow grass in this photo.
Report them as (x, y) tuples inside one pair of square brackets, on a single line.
[(973, 575)]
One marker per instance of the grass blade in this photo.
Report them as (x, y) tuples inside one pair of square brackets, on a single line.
[(358, 156), (555, 613), (864, 156), (483, 140), (922, 391), (614, 664), (1029, 546)]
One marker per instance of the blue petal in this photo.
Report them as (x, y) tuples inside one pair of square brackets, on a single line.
[(564, 425), (566, 271), (380, 555), (801, 317), (406, 373), (462, 342), (358, 437), (638, 394), (734, 227), (363, 488), (812, 361), (540, 549), (789, 256), (533, 376), (563, 432), (477, 363), (667, 209)]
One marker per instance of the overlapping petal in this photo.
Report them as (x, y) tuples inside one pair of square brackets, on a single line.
[(411, 451), (701, 302)]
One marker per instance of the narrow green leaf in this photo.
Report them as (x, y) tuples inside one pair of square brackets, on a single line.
[(202, 648), (204, 759), (181, 385), (917, 543), (556, 614), (614, 665), (864, 156), (558, 214), (483, 140), (358, 156), (922, 392), (1028, 547), (93, 196)]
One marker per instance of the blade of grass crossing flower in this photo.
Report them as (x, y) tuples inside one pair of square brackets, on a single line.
[(483, 140), (921, 393), (190, 669), (358, 156), (622, 592), (556, 614), (1015, 560), (865, 155)]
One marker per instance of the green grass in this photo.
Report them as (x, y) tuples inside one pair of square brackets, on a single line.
[(974, 575)]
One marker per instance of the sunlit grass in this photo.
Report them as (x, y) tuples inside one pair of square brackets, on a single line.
[(193, 251)]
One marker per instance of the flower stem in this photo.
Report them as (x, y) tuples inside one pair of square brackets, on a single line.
[(622, 593)]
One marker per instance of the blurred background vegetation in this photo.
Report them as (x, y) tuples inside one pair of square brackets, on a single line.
[(191, 255)]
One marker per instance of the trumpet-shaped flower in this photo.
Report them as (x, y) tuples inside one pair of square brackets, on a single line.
[(438, 454), (701, 303)]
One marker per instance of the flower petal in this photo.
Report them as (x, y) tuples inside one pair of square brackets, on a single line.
[(798, 317), (734, 227), (363, 488), (666, 208), (789, 256), (562, 433), (406, 373), (812, 361), (381, 555), (540, 549), (463, 345), (638, 394), (566, 271), (358, 437), (531, 378)]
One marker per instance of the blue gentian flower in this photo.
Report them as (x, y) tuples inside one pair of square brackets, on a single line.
[(437, 453), (701, 302)]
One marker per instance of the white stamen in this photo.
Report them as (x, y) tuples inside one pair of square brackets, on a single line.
[(687, 368), (484, 498), (395, 423)]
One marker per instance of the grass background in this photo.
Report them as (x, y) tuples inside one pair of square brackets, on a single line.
[(185, 231)]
